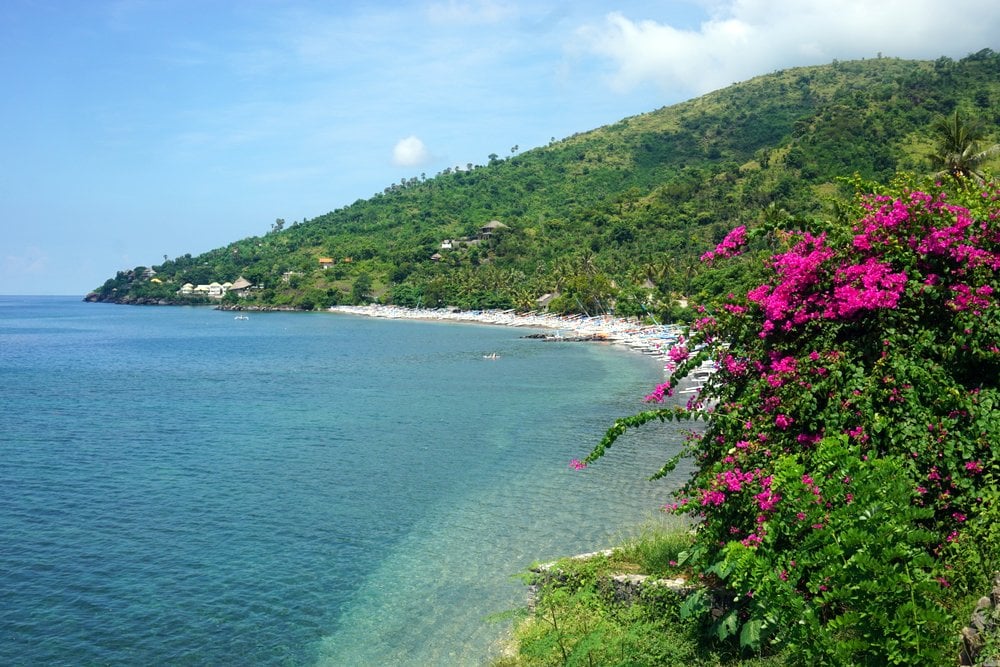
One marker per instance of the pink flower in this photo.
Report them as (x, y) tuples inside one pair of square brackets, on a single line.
[(577, 464), (731, 246), (733, 365), (659, 393), (866, 286), (678, 353), (783, 421), (714, 498), (965, 298), (767, 500)]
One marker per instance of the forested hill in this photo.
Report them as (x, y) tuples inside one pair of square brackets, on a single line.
[(611, 218)]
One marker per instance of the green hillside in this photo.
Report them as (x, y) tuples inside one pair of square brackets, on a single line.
[(614, 218)]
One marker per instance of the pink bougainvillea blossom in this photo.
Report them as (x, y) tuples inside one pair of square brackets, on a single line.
[(867, 286), (678, 353), (731, 246), (965, 298), (783, 421), (658, 394)]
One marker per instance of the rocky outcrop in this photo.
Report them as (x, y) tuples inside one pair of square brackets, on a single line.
[(985, 623), (129, 300)]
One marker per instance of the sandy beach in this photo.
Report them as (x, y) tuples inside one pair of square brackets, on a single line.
[(649, 339)]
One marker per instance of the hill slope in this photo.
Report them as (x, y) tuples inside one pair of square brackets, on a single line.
[(617, 215)]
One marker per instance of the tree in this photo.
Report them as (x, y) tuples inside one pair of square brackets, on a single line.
[(278, 225), (960, 150), (361, 291)]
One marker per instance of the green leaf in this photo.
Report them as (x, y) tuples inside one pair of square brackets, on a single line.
[(750, 635), (727, 625), (696, 604)]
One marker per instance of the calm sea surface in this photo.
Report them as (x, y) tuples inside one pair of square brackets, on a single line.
[(179, 487)]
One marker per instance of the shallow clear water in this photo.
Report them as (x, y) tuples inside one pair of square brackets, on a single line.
[(181, 487)]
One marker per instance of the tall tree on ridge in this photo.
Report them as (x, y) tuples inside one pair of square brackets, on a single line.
[(959, 150)]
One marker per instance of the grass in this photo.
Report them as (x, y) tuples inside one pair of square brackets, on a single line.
[(576, 622)]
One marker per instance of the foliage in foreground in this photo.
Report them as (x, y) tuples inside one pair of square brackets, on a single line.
[(846, 479), (577, 622)]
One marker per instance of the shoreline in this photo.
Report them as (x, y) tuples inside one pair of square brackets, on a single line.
[(649, 339)]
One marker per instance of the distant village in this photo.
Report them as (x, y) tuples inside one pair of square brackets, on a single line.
[(243, 287), (215, 290)]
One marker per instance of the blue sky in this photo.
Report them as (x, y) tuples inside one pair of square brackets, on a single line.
[(134, 129)]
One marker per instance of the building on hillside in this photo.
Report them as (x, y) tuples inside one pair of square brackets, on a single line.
[(446, 244), (325, 262), (544, 300), (241, 287), (490, 228), (436, 257)]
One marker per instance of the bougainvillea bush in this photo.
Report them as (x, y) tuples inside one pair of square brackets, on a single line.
[(850, 427)]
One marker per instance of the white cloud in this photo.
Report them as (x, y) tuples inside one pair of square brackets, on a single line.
[(744, 38), (410, 152)]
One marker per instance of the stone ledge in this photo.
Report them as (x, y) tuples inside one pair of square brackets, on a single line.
[(985, 621), (622, 588)]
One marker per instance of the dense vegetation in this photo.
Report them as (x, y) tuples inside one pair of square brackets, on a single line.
[(845, 491), (611, 219)]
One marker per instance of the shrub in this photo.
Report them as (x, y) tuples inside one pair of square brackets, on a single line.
[(850, 423)]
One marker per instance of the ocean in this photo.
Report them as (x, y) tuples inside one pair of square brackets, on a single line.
[(180, 487)]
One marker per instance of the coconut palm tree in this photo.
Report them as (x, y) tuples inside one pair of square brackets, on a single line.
[(960, 150)]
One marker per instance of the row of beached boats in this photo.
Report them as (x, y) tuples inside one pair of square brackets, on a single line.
[(652, 339)]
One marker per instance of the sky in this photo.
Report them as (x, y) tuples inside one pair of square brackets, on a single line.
[(138, 129)]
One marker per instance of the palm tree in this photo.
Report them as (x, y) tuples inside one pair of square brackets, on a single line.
[(959, 151)]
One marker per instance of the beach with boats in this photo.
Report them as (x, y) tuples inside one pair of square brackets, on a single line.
[(651, 339)]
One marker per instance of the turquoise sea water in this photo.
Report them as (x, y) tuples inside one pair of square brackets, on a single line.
[(178, 487)]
